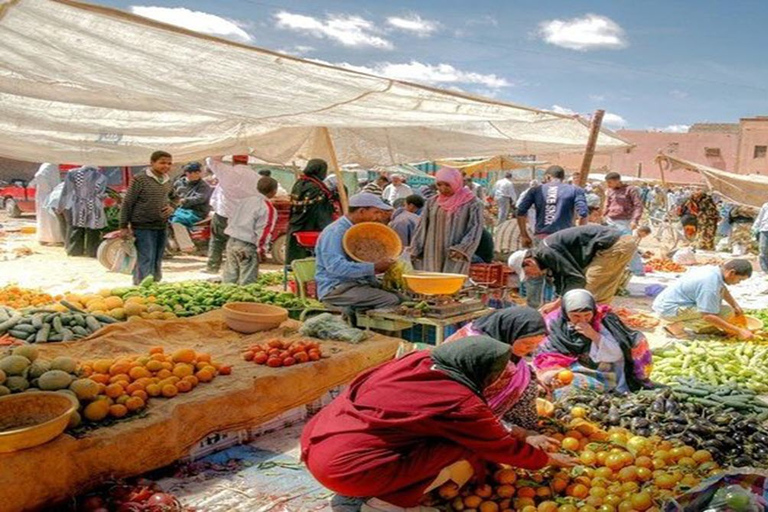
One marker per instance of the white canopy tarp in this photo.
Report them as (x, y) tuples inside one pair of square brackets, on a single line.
[(745, 189), (85, 83)]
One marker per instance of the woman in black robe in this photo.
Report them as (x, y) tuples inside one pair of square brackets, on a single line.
[(312, 206)]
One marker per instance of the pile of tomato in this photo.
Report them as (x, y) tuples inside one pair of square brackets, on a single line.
[(277, 353)]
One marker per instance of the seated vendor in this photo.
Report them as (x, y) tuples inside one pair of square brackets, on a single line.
[(513, 396), (412, 424), (342, 282), (592, 257), (594, 344), (695, 299)]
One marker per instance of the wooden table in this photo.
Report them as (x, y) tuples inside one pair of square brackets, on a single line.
[(409, 321)]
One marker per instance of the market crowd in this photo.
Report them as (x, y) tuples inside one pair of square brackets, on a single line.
[(408, 426)]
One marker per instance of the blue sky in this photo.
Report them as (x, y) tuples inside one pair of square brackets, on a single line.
[(651, 64)]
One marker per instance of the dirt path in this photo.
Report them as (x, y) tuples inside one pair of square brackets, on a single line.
[(49, 268)]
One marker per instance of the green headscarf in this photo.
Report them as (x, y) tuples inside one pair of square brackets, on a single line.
[(476, 361)]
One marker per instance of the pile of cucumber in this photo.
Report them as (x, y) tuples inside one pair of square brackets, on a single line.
[(745, 401), (45, 325)]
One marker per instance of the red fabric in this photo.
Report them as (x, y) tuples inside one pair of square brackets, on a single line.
[(397, 426), (269, 229), (323, 188)]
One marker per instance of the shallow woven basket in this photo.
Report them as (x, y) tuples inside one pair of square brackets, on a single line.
[(374, 231), (31, 419)]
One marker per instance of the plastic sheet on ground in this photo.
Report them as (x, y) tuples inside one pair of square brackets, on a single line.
[(252, 395), (267, 475)]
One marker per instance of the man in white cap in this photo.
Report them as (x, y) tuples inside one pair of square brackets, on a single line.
[(341, 281), (396, 190)]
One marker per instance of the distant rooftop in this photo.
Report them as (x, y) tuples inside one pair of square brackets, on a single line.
[(714, 127)]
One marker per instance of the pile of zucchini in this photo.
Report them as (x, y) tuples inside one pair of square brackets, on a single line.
[(46, 325), (742, 400)]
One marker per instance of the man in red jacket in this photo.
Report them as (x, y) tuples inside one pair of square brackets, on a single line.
[(623, 210), (392, 434)]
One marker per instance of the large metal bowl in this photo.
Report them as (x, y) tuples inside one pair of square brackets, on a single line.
[(434, 283), (32, 419)]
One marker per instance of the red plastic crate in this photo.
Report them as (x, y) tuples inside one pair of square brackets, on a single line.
[(489, 274)]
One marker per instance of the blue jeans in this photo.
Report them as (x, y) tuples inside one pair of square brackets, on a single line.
[(764, 251), (150, 246)]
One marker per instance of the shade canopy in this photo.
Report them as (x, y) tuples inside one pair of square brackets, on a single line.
[(85, 83), (746, 189)]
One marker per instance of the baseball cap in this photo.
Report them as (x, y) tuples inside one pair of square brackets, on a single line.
[(193, 167), (366, 200)]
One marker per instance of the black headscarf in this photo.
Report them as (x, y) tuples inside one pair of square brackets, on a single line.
[(564, 338), (510, 324), (476, 361), (316, 168)]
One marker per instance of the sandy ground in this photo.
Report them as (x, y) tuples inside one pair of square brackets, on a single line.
[(49, 268)]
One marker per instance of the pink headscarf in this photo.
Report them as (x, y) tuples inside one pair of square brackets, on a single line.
[(461, 194)]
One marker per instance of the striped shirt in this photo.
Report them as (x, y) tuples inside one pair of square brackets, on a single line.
[(373, 188), (143, 203), (253, 221)]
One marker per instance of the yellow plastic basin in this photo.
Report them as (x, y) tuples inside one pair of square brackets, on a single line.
[(434, 283), (32, 419), (753, 323)]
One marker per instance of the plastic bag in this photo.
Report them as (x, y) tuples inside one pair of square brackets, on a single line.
[(329, 327), (393, 280), (736, 499), (738, 490), (685, 256), (125, 257)]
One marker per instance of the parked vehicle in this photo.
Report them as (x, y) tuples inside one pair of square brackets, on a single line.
[(109, 248), (18, 196)]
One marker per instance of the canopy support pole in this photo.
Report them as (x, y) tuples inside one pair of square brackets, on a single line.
[(663, 181), (335, 167), (589, 152)]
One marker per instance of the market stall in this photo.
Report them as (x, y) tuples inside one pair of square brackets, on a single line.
[(170, 427), (749, 189)]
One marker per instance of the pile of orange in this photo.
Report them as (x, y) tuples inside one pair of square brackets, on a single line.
[(126, 384), (618, 472), (17, 298)]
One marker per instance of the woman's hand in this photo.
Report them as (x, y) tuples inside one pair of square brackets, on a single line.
[(549, 307), (745, 334), (560, 460), (518, 433), (456, 255), (587, 330), (548, 444)]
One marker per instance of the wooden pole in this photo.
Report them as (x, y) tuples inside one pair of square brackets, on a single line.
[(661, 172), (337, 171), (663, 181), (589, 152)]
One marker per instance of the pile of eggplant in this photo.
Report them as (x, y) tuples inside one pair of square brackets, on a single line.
[(735, 437)]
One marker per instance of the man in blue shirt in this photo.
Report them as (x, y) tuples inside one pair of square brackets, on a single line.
[(341, 281), (555, 203), (695, 300), (405, 219)]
